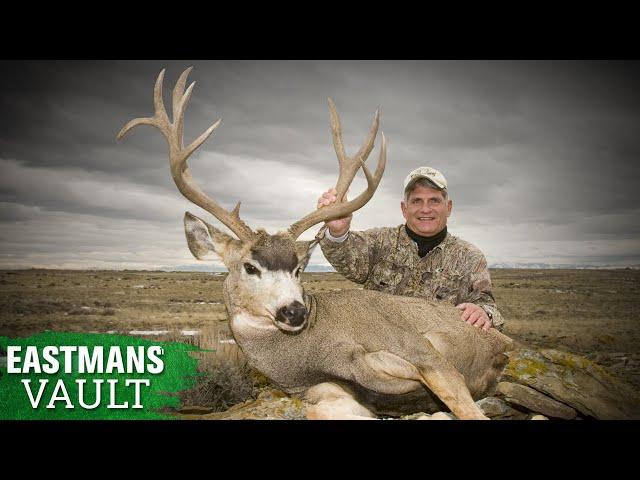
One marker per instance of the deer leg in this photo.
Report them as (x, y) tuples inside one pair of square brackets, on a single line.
[(334, 402), (449, 385), (386, 372)]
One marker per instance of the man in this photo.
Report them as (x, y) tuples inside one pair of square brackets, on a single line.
[(420, 258)]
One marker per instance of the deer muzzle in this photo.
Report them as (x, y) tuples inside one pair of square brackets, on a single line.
[(292, 317)]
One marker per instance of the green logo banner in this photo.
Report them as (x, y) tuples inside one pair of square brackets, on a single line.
[(65, 376)]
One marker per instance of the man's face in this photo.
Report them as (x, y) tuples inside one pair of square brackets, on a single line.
[(426, 211)]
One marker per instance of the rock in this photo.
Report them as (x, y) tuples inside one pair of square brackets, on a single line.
[(271, 404), (416, 416), (195, 410), (538, 417), (575, 381), (535, 401), (442, 416), (496, 408), (424, 416)]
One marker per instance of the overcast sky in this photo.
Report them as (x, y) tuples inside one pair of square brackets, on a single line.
[(541, 157)]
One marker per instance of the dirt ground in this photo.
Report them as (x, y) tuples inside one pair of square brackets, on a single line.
[(595, 313)]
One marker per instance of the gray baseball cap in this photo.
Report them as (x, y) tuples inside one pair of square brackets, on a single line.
[(426, 172)]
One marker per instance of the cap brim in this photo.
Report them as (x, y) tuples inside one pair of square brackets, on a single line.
[(415, 179)]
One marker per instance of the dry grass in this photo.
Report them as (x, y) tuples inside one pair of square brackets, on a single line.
[(224, 378), (595, 313)]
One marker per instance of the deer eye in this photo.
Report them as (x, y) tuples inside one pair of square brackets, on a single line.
[(250, 269), (297, 272)]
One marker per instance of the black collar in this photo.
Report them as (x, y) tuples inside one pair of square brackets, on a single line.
[(426, 244)]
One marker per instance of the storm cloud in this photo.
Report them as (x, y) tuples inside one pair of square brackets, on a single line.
[(541, 157)]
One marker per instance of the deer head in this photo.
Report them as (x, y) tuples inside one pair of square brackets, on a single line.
[(264, 270)]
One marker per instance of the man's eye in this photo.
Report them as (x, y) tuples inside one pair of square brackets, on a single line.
[(250, 269)]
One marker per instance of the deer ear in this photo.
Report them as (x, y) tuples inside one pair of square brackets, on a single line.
[(204, 239), (304, 251)]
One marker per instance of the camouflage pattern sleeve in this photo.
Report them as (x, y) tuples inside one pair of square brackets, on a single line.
[(481, 292), (355, 256)]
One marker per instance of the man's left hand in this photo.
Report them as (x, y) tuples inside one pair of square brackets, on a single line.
[(475, 315)]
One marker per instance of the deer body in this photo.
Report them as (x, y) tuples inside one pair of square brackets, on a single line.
[(331, 349)]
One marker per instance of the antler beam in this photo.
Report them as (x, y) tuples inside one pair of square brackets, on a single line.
[(348, 168), (178, 154)]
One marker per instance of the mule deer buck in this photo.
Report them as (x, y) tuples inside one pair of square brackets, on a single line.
[(353, 354)]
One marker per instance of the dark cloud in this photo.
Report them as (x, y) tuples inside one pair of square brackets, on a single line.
[(551, 147)]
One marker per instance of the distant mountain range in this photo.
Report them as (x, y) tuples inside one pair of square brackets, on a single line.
[(561, 266), (328, 268)]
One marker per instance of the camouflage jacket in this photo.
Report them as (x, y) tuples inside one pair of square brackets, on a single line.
[(386, 259)]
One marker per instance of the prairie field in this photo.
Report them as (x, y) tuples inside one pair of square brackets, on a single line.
[(595, 313)]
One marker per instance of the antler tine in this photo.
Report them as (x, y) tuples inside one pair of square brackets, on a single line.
[(336, 131), (343, 209), (382, 163), (178, 155), (158, 103), (178, 92), (159, 120), (366, 148), (349, 166)]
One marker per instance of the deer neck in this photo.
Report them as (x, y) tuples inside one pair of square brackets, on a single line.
[(246, 326), (271, 351)]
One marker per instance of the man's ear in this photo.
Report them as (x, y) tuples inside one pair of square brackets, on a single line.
[(403, 208), (303, 252), (204, 239)]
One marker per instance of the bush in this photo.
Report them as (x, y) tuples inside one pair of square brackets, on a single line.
[(220, 386)]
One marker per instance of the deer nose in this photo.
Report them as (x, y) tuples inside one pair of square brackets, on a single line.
[(292, 314)]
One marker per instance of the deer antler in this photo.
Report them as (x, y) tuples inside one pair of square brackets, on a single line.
[(348, 168), (178, 154)]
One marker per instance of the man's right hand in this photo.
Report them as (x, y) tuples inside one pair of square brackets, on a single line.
[(338, 227)]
